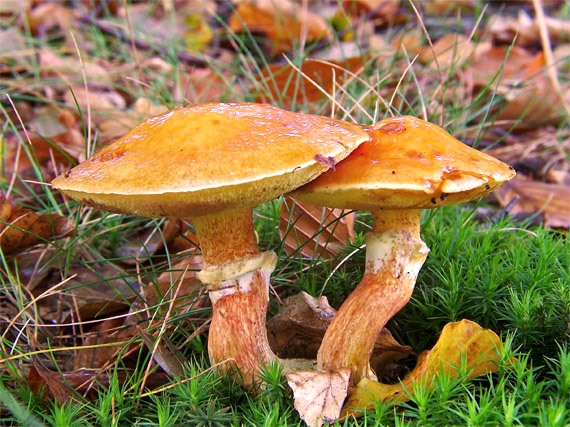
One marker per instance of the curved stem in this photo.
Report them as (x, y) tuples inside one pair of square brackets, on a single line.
[(237, 276), (394, 255)]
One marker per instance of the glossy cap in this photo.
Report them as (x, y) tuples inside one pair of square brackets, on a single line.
[(407, 163), (209, 158)]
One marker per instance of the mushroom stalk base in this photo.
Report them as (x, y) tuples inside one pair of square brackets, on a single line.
[(238, 330), (394, 258)]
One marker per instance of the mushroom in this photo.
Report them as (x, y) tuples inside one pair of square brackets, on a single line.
[(407, 165), (212, 164)]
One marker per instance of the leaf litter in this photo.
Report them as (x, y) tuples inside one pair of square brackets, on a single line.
[(512, 53)]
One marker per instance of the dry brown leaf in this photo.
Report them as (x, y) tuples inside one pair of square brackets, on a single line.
[(120, 124), (206, 85), (283, 22), (526, 29), (69, 68), (99, 98), (314, 231), (464, 339), (14, 7), (536, 101), (165, 354), (14, 48), (528, 90), (319, 395), (62, 386), (552, 200), (490, 61), (148, 242), (283, 82), (180, 279), (450, 6), (452, 50), (297, 330), (51, 17), (90, 292), (21, 228), (55, 385), (54, 135), (109, 331), (382, 11)]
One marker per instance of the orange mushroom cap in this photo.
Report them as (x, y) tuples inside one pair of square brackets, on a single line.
[(209, 158), (407, 163)]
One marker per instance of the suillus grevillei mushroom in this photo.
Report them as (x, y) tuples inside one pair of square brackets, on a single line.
[(407, 165), (211, 164)]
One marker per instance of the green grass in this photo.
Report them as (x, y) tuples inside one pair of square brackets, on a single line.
[(506, 276)]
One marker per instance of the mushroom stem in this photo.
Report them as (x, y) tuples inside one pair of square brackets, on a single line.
[(395, 254), (237, 277)]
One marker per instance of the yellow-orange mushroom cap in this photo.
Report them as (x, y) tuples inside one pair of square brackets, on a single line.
[(208, 158), (407, 163)]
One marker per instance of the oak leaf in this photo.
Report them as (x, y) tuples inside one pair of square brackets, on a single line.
[(319, 395)]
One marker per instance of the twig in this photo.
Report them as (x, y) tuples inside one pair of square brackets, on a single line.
[(547, 51)]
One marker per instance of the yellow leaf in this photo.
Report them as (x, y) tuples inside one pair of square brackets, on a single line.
[(465, 339), (199, 34)]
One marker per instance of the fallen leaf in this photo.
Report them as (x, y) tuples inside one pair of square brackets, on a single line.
[(165, 354), (198, 33), (14, 7), (464, 339), (120, 124), (382, 11), (523, 30), (451, 51), (55, 385), (90, 292), (21, 228), (206, 85), (298, 328), (108, 331), (101, 99), (314, 231), (450, 6), (69, 68), (491, 61), (319, 395), (552, 200), (284, 83), (534, 99), (47, 18), (148, 242), (297, 331), (14, 49), (180, 278), (61, 386), (282, 22)]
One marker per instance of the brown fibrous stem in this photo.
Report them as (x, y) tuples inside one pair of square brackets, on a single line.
[(394, 255), (237, 277)]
